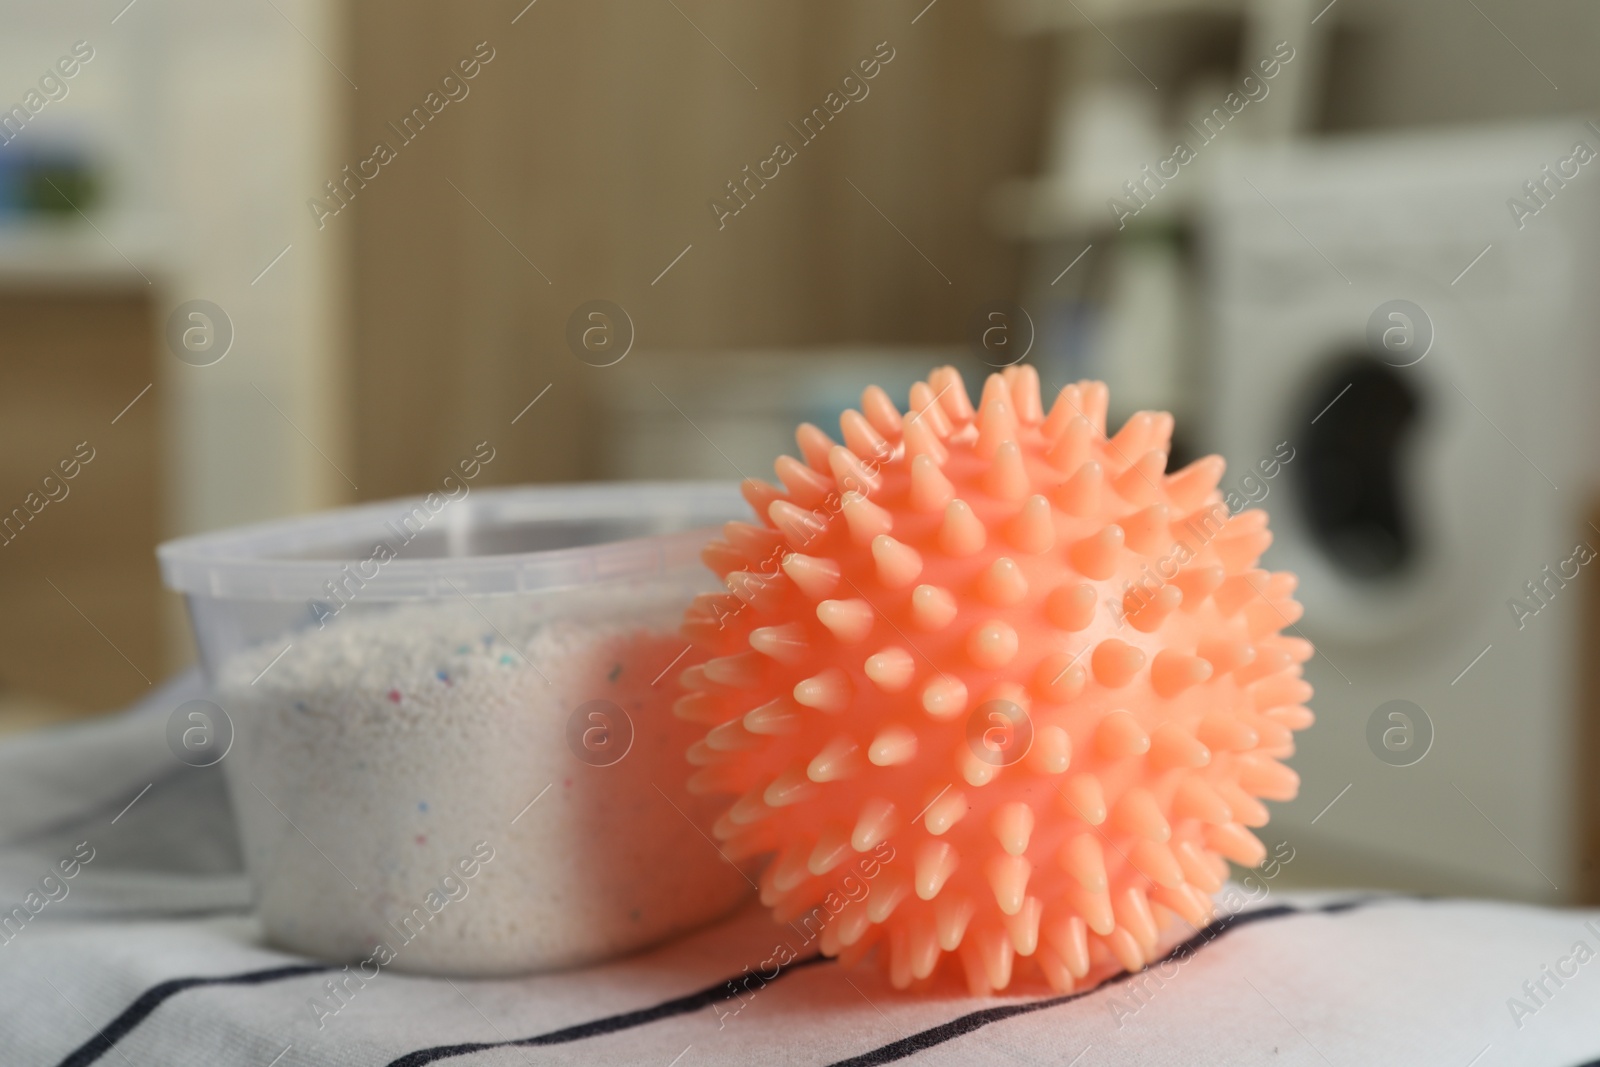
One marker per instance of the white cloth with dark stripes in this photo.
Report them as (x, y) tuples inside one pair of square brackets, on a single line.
[(152, 958)]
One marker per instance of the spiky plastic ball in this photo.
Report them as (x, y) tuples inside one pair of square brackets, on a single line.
[(993, 684)]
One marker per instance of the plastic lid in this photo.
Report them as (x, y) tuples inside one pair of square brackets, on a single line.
[(484, 541)]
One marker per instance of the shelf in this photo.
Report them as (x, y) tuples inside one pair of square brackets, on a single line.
[(1037, 209), (1053, 16), (69, 252)]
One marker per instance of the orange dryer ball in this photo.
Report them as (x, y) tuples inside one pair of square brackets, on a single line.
[(990, 683)]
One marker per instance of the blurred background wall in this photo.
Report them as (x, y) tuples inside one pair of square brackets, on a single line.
[(581, 165), (153, 155), (368, 318)]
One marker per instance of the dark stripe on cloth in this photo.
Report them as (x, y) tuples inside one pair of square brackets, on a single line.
[(966, 1024), (152, 998), (608, 1025), (105, 1039)]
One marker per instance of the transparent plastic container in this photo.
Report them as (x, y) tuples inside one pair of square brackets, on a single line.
[(452, 746)]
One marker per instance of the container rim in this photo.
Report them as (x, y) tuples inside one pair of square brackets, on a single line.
[(256, 561)]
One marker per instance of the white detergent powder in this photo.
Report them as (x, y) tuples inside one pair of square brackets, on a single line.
[(383, 771)]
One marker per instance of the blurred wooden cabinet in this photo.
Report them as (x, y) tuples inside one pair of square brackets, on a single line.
[(80, 598)]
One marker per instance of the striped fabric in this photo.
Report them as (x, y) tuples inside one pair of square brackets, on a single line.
[(146, 954)]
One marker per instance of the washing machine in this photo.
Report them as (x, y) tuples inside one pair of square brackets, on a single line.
[(1411, 320)]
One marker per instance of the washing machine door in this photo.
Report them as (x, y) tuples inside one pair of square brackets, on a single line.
[(1403, 492)]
